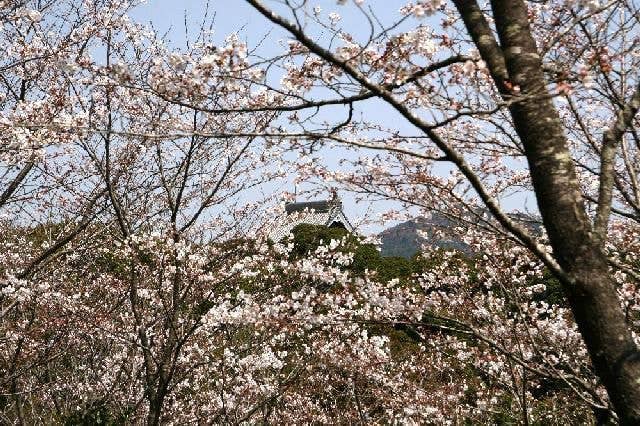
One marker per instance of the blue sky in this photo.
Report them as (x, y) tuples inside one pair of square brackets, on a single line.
[(238, 15), (168, 16), (231, 16)]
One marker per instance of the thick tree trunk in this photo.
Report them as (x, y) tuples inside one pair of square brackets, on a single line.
[(515, 63), (156, 403), (153, 418)]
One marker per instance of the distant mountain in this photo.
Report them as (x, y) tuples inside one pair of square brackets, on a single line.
[(404, 239)]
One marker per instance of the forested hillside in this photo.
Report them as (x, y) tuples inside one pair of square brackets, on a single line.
[(407, 238), (154, 152)]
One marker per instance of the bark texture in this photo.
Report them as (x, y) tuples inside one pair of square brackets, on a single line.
[(516, 64)]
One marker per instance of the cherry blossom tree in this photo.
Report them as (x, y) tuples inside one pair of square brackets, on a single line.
[(550, 83), (138, 284), (92, 162)]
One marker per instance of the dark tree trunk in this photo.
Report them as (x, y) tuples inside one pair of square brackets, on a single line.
[(515, 63), (156, 403)]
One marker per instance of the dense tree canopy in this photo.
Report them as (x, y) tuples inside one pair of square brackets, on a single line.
[(137, 280)]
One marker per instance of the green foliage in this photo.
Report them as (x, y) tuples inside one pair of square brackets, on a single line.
[(45, 232), (237, 247), (94, 415), (553, 294), (307, 238), (366, 257), (111, 263), (394, 267)]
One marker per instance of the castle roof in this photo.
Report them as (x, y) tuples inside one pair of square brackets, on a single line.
[(322, 206), (321, 212)]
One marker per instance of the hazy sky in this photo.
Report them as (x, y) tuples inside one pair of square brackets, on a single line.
[(230, 16), (238, 15), (169, 16)]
